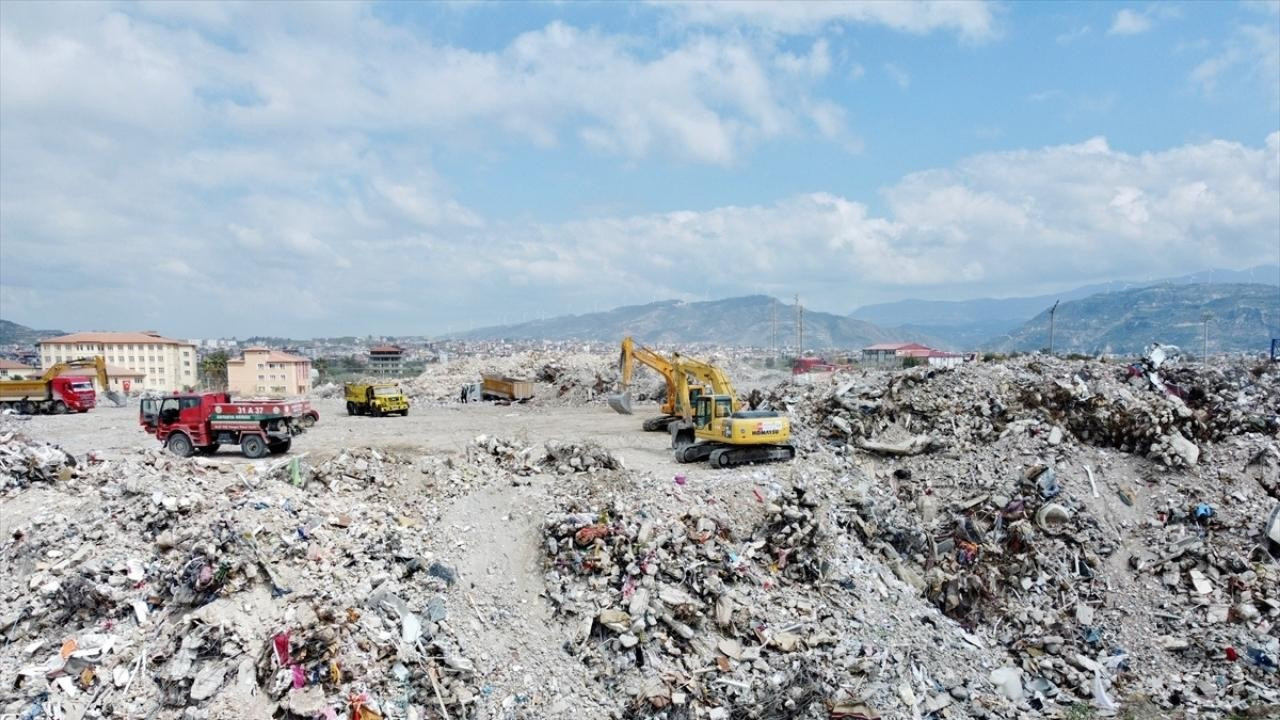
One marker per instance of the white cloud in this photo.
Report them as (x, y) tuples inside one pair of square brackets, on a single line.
[(972, 20), (1130, 22), (1070, 36), (900, 77), (708, 99), (1251, 53), (995, 223)]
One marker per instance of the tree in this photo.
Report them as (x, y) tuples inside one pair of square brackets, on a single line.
[(213, 370), (321, 366)]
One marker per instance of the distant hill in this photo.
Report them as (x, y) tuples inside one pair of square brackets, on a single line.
[(742, 321), (11, 333), (1242, 317), (964, 324)]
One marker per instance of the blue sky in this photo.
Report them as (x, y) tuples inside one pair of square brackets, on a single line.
[(489, 161)]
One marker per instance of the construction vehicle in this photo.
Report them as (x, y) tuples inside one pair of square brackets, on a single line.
[(621, 403), (716, 428), (497, 387), (376, 399), (54, 394), (203, 422)]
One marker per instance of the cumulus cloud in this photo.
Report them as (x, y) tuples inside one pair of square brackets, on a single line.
[(1252, 54), (248, 174), (1130, 22), (972, 20)]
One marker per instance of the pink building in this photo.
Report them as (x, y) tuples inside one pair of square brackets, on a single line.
[(265, 372)]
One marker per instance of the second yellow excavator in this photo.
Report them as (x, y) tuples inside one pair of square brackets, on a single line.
[(715, 428), (672, 405)]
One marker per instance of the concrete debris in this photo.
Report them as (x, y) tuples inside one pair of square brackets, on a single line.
[(24, 461), (1031, 538), (230, 598), (561, 457)]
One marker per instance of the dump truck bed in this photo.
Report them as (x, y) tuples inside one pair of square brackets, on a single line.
[(506, 388)]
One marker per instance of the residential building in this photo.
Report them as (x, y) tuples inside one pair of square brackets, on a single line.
[(168, 365), (386, 360), (888, 353), (10, 370), (263, 371), (931, 357)]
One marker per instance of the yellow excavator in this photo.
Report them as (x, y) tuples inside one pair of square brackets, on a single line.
[(714, 427), (671, 406)]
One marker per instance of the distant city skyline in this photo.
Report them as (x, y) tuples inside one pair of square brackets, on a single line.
[(322, 169)]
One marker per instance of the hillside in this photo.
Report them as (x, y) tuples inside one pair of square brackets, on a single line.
[(968, 323), (742, 321), (1243, 317), (11, 333)]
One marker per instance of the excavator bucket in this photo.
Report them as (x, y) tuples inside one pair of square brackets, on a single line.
[(621, 403), (115, 397)]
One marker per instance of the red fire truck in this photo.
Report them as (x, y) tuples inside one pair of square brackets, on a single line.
[(206, 421)]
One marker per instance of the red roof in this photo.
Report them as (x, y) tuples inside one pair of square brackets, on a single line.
[(7, 364), (896, 347), (386, 349), (114, 337)]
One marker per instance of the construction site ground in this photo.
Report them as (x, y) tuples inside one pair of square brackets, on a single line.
[(1042, 538)]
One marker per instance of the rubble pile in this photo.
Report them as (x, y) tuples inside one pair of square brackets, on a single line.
[(665, 595), (327, 390), (191, 588), (930, 409), (561, 457), (560, 378), (24, 461), (707, 614)]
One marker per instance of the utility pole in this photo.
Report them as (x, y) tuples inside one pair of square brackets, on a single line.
[(799, 328), (1204, 343), (1052, 311), (773, 328)]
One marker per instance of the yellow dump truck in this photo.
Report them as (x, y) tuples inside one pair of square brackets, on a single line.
[(497, 387), (375, 399)]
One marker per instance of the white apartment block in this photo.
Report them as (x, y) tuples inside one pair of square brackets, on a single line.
[(169, 365)]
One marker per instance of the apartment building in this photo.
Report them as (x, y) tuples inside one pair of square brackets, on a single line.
[(263, 371), (10, 370), (386, 360), (167, 365)]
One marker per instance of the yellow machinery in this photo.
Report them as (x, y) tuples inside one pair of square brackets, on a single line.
[(52, 393), (377, 399), (715, 428), (621, 403)]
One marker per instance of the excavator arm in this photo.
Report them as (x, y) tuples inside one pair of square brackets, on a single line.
[(710, 375), (631, 354), (99, 366)]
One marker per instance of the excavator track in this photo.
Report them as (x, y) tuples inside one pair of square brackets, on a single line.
[(721, 455), (658, 424)]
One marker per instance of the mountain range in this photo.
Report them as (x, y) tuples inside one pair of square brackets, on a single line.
[(1240, 317), (965, 324), (11, 333), (744, 321)]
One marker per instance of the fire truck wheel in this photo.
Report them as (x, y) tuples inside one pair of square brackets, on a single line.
[(278, 448), (179, 445), (59, 407), (253, 447)]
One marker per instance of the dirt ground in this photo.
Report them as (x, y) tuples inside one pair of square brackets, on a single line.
[(107, 431)]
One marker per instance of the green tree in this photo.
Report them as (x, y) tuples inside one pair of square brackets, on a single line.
[(213, 370), (321, 366)]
